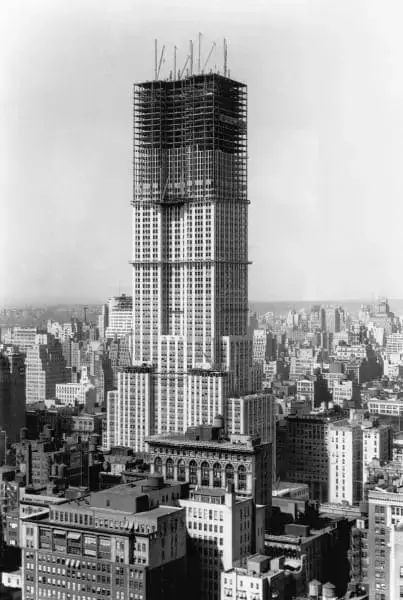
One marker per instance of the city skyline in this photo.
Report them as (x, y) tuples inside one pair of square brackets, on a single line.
[(324, 94)]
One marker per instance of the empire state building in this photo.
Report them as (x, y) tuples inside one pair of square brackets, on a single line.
[(190, 248)]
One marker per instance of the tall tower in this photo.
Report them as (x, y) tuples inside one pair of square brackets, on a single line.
[(190, 245)]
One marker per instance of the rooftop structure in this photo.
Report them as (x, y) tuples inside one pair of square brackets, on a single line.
[(214, 462)]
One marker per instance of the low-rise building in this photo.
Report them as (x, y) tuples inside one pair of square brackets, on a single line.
[(260, 579), (310, 553), (390, 406)]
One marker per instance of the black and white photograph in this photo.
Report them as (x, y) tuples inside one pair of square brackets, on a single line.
[(201, 305)]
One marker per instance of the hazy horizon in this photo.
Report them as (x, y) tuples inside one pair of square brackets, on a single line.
[(325, 89), (98, 302)]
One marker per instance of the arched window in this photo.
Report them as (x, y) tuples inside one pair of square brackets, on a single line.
[(229, 474), (217, 475), (193, 472), (158, 465), (241, 478), (181, 470), (170, 468), (205, 474)]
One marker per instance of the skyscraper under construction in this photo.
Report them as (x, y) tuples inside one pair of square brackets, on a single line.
[(190, 247)]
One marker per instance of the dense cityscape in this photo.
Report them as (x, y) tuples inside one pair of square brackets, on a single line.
[(174, 441)]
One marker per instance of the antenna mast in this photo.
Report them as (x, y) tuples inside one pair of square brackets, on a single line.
[(175, 73), (160, 63), (155, 58), (209, 56), (225, 57), (199, 54), (191, 56)]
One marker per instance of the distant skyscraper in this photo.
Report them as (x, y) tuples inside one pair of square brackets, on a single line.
[(45, 367), (118, 316), (12, 393), (190, 246), (103, 321)]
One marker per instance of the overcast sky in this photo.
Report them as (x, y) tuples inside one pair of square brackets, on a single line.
[(325, 86)]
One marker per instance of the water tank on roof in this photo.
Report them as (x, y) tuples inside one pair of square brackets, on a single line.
[(156, 481), (315, 588), (329, 591)]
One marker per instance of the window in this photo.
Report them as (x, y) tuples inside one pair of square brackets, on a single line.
[(181, 470), (170, 468), (229, 474), (205, 474), (158, 465), (193, 472), (241, 477), (217, 475)]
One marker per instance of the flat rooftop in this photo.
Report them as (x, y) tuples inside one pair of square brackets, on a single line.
[(175, 439), (159, 511)]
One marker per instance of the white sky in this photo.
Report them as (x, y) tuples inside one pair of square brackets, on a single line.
[(325, 85)]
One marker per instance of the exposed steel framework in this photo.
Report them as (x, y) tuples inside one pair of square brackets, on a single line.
[(174, 118)]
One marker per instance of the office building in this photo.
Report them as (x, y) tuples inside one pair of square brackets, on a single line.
[(103, 321), (264, 346), (358, 551), (96, 547), (118, 357), (190, 250), (130, 412), (390, 406), (346, 393), (86, 425), (222, 529), (313, 553), (119, 317), (376, 444), (60, 331), (346, 462), (45, 368), (385, 544), (205, 457), (23, 338), (3, 446), (306, 452), (260, 579), (82, 393), (314, 391), (12, 392), (394, 343), (253, 415), (50, 462)]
